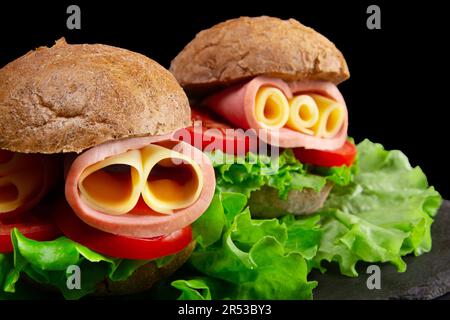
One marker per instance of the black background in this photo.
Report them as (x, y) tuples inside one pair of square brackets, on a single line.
[(398, 91)]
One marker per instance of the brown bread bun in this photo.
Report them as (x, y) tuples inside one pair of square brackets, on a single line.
[(68, 98), (245, 47)]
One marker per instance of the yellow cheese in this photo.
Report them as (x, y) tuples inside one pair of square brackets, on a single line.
[(166, 193), (106, 187), (111, 191), (20, 179), (271, 108), (17, 188), (311, 114), (331, 117), (303, 114)]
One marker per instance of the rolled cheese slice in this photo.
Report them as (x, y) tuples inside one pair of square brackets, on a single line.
[(303, 114), (167, 180), (147, 225), (24, 180), (271, 108), (174, 181), (17, 188), (117, 190), (331, 117), (237, 105)]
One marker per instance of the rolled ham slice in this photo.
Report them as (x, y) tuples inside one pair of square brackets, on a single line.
[(132, 225), (237, 105), (32, 174)]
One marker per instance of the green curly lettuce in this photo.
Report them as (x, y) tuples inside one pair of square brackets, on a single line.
[(378, 211), (384, 214), (47, 262), (382, 210), (284, 173), (245, 258)]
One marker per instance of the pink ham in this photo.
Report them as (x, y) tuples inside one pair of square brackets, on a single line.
[(237, 105), (140, 226), (50, 167)]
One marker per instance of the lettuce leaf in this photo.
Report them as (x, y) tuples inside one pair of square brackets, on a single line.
[(46, 262), (246, 174), (195, 289), (5, 265), (379, 210), (250, 259), (385, 213)]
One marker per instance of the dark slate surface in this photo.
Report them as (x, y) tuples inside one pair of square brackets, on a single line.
[(427, 276)]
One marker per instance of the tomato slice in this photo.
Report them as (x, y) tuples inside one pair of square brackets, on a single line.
[(37, 226), (119, 246), (345, 155), (213, 134)]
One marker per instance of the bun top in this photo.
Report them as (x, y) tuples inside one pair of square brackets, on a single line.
[(68, 98), (246, 47)]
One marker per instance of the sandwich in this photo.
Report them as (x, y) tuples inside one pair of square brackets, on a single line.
[(96, 196), (315, 198), (284, 91), (109, 182)]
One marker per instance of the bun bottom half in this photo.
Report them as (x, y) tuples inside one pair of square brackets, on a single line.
[(265, 203)]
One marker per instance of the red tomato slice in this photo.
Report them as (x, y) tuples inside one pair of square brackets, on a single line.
[(215, 135), (36, 226), (118, 246), (345, 155)]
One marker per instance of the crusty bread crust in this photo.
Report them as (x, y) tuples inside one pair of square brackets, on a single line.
[(265, 203), (246, 47), (68, 98)]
